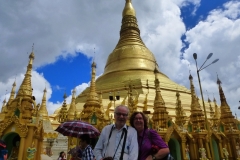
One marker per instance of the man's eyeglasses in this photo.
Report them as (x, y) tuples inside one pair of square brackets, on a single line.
[(121, 114)]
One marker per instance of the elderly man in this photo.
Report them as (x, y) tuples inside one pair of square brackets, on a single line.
[(117, 141)]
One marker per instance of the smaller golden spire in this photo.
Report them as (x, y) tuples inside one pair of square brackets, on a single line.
[(63, 112), (93, 96), (195, 103), (128, 9), (72, 108), (3, 106), (226, 114), (217, 114), (4, 102), (158, 98), (180, 114), (197, 116), (12, 95), (26, 86), (223, 100), (211, 109), (43, 109), (160, 114), (145, 102)]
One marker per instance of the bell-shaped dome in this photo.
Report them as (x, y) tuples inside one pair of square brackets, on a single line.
[(130, 52)]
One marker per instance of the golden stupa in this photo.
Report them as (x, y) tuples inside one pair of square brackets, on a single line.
[(130, 68), (132, 77)]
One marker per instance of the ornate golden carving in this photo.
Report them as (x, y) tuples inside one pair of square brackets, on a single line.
[(14, 119), (170, 130)]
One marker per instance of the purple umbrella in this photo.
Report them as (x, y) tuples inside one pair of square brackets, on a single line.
[(77, 128)]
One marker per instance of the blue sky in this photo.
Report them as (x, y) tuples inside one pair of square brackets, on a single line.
[(192, 15), (66, 33), (66, 73)]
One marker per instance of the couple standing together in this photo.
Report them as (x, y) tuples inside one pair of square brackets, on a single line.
[(122, 142)]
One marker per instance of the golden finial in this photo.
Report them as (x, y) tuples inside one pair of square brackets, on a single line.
[(218, 80), (94, 54), (26, 87), (93, 63), (31, 56), (190, 75), (65, 96), (32, 47), (128, 9), (4, 101)]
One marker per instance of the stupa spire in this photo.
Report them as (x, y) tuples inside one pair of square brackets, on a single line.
[(224, 104), (93, 96), (226, 114), (12, 95), (217, 114), (197, 116), (158, 98), (211, 109), (72, 108), (92, 111), (195, 103), (145, 102), (130, 53), (63, 112), (25, 89), (160, 114), (43, 108), (180, 114), (3, 106), (130, 33)]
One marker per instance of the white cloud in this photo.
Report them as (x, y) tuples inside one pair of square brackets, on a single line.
[(218, 33), (60, 28), (52, 107), (38, 84)]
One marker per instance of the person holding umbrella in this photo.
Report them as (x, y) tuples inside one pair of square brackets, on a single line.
[(117, 141), (78, 128), (87, 152)]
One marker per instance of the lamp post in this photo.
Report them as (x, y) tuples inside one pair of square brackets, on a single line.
[(199, 81)]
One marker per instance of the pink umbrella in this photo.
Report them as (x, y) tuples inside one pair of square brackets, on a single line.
[(77, 128)]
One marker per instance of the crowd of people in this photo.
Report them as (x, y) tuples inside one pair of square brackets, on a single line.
[(121, 142)]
